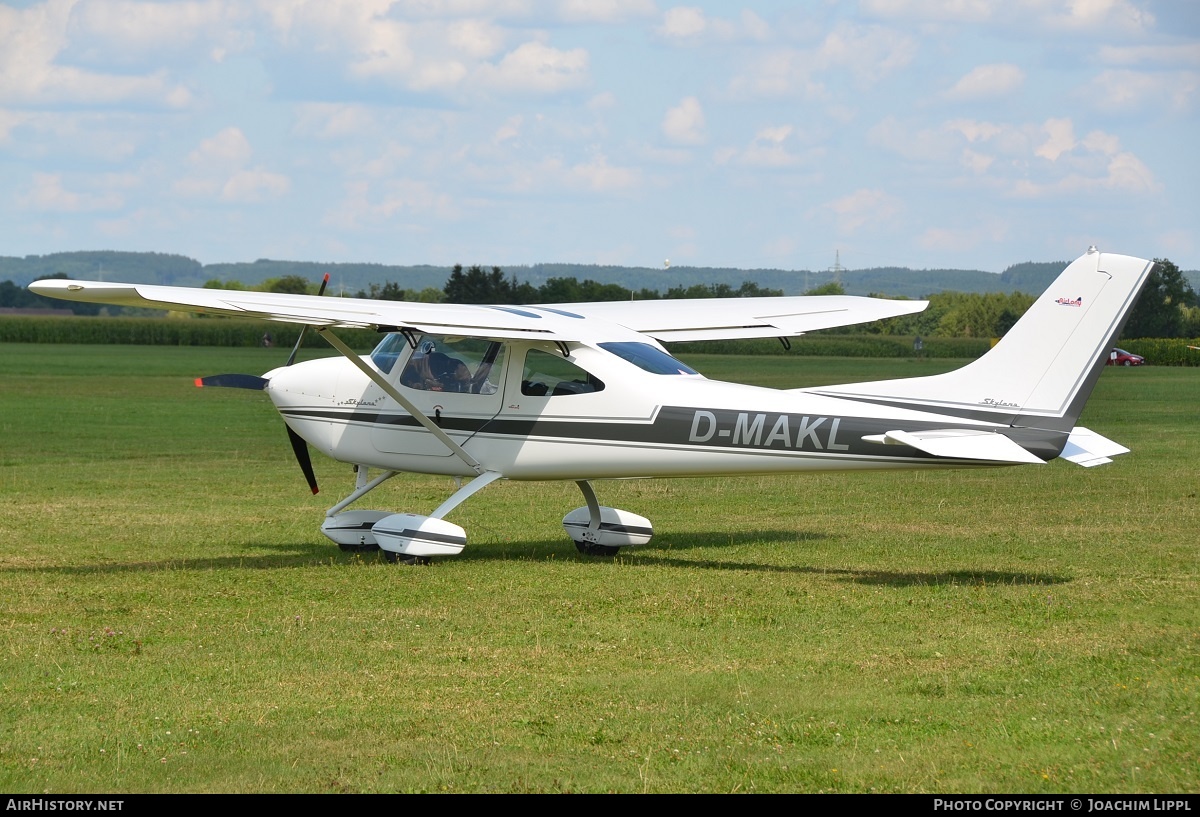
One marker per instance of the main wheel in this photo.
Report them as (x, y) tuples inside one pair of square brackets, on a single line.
[(404, 558), (358, 548), (592, 549), (1128, 363)]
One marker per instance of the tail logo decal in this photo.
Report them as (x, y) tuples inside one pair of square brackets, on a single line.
[(1070, 301)]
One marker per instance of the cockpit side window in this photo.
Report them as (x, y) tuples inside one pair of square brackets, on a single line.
[(550, 375), (464, 365), (647, 358)]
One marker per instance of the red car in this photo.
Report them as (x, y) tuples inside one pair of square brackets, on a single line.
[(1119, 357)]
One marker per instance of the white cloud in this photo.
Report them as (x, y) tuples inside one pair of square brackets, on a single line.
[(926, 143), (1044, 159), (220, 169), (605, 11), (255, 185), (593, 174), (511, 129), (950, 240), (863, 207), (1137, 91), (987, 81), (768, 149), (1031, 15), (602, 101), (32, 39), (368, 204), (230, 147), (977, 163), (867, 54), (779, 72), (973, 131), (327, 120), (692, 26), (598, 175), (386, 161), (959, 11), (47, 194), (127, 32), (1060, 138), (478, 39), (10, 120), (683, 22), (1110, 15), (535, 67), (1155, 54), (684, 124), (1094, 164)]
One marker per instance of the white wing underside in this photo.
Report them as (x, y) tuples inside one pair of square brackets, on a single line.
[(663, 320)]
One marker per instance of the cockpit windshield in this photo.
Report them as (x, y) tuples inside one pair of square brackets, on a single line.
[(388, 351), (648, 358)]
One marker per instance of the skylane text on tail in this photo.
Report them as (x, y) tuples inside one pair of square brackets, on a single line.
[(588, 391)]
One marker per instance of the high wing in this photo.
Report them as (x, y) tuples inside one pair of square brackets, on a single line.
[(733, 318), (664, 320)]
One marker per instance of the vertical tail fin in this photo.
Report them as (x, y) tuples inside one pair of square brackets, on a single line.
[(1042, 372)]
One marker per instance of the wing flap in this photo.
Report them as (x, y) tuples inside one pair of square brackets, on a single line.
[(960, 444)]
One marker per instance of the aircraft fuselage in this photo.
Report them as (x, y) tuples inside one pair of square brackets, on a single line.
[(620, 428)]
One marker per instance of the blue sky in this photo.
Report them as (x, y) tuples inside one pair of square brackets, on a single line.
[(921, 133)]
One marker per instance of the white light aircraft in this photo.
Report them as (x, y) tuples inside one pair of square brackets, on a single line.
[(585, 392)]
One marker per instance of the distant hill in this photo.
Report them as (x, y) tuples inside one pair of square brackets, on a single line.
[(160, 268)]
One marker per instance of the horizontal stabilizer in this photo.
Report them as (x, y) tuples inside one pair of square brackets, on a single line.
[(959, 444), (1087, 448)]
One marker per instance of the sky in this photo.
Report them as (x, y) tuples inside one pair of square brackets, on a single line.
[(922, 133)]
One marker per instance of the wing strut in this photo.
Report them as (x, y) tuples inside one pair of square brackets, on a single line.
[(393, 393)]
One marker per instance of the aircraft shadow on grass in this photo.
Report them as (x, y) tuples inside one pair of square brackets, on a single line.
[(299, 555)]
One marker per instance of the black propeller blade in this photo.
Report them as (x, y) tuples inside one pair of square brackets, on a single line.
[(233, 381), (300, 448)]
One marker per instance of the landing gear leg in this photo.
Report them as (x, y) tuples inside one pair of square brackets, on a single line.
[(588, 543), (352, 529)]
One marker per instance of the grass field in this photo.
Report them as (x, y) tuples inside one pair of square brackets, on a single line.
[(172, 620)]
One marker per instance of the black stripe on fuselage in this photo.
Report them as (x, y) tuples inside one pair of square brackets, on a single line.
[(691, 428)]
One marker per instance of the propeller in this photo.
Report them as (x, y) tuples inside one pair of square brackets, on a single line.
[(233, 381), (250, 381)]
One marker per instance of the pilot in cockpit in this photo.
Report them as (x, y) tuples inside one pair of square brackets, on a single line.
[(430, 370)]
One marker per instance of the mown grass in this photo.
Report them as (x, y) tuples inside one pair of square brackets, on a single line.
[(173, 621)]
